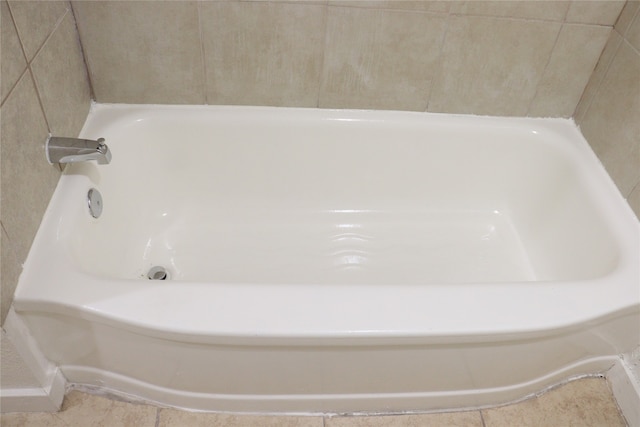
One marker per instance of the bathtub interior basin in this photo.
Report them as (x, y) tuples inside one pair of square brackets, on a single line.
[(272, 201), (306, 249)]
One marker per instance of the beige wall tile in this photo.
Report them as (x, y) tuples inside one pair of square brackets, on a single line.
[(312, 2), (595, 80), (611, 123), (491, 65), (142, 52), (12, 58), (380, 59), (175, 418), (61, 77), (263, 53), (633, 33), (634, 200), (27, 179), (419, 5), (36, 20), (546, 10), (13, 370), (457, 419), (572, 61), (602, 12), (587, 403), (629, 11), (11, 268)]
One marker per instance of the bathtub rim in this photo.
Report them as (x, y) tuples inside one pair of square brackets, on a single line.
[(586, 309), (212, 331)]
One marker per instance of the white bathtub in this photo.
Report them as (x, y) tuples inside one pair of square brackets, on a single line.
[(333, 261)]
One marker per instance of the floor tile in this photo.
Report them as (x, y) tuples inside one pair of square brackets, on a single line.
[(175, 418), (87, 410), (457, 419), (36, 419), (96, 411), (584, 403)]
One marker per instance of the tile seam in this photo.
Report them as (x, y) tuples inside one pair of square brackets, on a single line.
[(635, 50), (440, 62), (544, 71), (605, 73), (205, 84), (35, 57), (631, 21), (634, 188), (85, 60), (24, 55), (37, 88), (10, 91), (323, 71), (388, 9), (511, 18), (46, 40)]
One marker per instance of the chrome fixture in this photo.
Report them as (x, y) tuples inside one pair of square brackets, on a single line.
[(71, 150), (94, 201)]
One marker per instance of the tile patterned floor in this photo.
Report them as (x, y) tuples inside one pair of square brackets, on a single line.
[(585, 403)]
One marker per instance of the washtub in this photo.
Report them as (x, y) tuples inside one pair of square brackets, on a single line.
[(326, 261)]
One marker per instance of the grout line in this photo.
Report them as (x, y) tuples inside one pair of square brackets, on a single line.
[(465, 14), (544, 71), (389, 9), (157, 417), (631, 21), (35, 57), (92, 93), (624, 40), (30, 61), (512, 18), (35, 86), (321, 77), (202, 54), (24, 55), (605, 72), (436, 77), (8, 94), (46, 40), (636, 186), (566, 13), (482, 419)]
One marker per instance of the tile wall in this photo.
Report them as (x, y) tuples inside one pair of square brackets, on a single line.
[(499, 58), (609, 112), (44, 88)]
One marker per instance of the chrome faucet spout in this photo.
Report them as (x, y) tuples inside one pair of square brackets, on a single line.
[(72, 150)]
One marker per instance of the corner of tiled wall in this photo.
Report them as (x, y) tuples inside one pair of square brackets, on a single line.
[(481, 57), (44, 89), (609, 112)]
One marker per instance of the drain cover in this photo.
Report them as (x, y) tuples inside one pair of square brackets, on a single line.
[(158, 273)]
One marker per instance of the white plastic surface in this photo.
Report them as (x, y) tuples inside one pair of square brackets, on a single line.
[(319, 247)]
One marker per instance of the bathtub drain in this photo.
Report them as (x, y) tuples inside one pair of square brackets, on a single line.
[(158, 273)]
